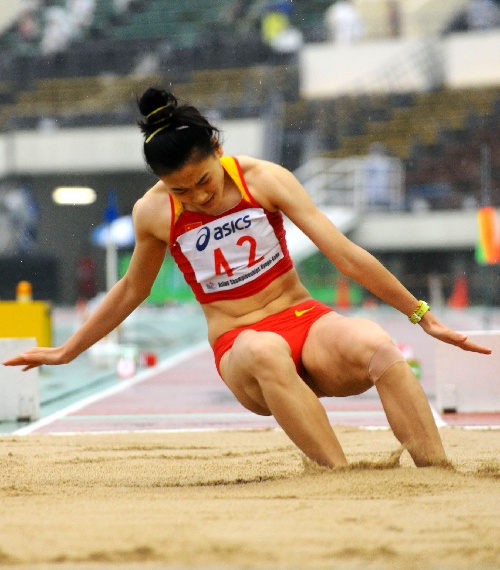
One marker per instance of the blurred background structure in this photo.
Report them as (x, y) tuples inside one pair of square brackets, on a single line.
[(387, 110)]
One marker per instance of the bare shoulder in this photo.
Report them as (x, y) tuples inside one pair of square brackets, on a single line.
[(272, 185), (151, 213), (266, 180), (256, 168)]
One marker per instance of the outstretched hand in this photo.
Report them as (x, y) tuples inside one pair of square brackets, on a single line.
[(432, 326), (37, 356)]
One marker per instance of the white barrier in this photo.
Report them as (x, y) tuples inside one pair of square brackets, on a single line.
[(19, 391), (467, 381)]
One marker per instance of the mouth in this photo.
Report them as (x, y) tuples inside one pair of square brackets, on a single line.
[(208, 202)]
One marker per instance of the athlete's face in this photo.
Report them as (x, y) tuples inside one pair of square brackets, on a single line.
[(199, 184)]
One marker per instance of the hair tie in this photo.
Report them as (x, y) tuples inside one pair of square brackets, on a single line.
[(169, 116), (156, 132), (156, 111)]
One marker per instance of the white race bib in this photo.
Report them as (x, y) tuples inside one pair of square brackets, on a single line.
[(232, 250)]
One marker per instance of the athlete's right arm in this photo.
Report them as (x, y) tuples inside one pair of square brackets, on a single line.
[(121, 300)]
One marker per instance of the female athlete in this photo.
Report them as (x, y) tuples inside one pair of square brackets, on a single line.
[(276, 348)]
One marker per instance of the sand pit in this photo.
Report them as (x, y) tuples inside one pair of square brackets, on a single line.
[(246, 499)]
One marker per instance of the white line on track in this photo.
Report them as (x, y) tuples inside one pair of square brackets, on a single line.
[(141, 377), (161, 367)]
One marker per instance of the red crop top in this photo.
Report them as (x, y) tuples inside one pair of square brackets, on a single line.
[(234, 254)]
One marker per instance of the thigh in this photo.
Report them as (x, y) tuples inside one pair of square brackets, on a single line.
[(337, 353)]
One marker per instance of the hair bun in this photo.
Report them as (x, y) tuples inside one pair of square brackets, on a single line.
[(154, 99)]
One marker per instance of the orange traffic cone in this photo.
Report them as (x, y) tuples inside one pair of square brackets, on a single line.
[(370, 302), (343, 293), (459, 298)]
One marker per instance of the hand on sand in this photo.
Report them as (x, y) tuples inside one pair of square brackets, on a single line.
[(36, 357), (436, 329)]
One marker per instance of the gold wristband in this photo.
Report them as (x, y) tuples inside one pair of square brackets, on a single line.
[(419, 312)]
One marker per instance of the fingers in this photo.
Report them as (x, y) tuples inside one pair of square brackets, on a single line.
[(16, 361), (22, 360), (36, 357), (473, 347), (459, 340)]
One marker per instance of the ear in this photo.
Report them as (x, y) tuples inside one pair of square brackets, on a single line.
[(218, 148)]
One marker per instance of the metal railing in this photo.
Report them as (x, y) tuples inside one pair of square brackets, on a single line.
[(371, 182)]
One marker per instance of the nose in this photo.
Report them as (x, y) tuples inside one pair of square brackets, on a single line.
[(202, 196)]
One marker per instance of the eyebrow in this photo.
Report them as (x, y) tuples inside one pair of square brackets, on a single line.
[(180, 188)]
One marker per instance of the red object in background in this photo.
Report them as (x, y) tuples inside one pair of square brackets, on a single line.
[(86, 280), (459, 298), (343, 300), (148, 359)]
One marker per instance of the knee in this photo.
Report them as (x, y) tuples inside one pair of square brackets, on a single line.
[(264, 353), (383, 356), (379, 353)]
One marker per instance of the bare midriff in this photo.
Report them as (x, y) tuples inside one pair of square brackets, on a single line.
[(282, 293)]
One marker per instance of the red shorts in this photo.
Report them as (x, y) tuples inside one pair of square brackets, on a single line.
[(293, 325)]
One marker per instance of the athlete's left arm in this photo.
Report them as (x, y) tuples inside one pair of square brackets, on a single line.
[(277, 188)]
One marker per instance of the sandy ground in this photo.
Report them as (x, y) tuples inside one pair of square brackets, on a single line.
[(246, 499)]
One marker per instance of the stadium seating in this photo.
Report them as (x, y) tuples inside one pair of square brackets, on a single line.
[(237, 92), (438, 135), (95, 81), (401, 123)]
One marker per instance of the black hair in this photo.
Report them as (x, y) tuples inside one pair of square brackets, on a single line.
[(174, 133)]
